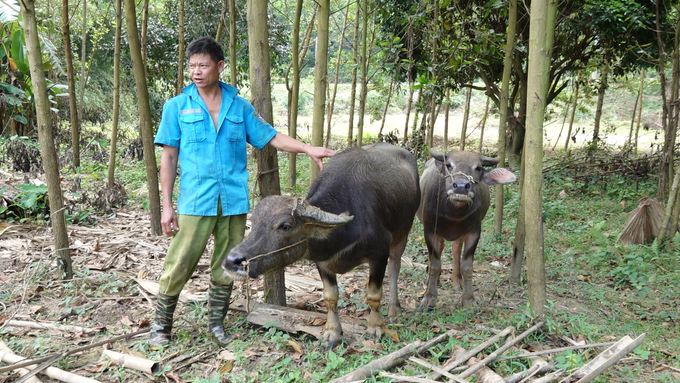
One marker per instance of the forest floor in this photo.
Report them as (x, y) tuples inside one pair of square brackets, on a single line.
[(597, 290)]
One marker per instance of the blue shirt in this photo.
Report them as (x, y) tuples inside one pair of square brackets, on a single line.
[(212, 162)]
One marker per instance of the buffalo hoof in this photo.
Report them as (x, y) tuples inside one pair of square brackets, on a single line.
[(427, 304), (332, 344), (394, 311)]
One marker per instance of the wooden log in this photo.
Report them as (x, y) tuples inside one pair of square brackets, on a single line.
[(133, 362), (392, 359), (556, 350), (21, 371), (606, 359), (483, 374), (52, 372)]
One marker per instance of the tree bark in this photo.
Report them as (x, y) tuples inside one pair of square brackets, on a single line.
[(180, 48), (222, 20), (466, 116), (267, 161), (46, 138), (70, 75), (409, 75), (144, 117), (320, 81), (446, 119), (667, 151), (116, 95), (540, 51), (145, 23), (504, 109), (337, 74)]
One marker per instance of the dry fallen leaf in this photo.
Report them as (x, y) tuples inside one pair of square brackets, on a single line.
[(142, 274), (295, 345), (126, 320), (392, 334), (226, 355), (227, 367), (174, 376)]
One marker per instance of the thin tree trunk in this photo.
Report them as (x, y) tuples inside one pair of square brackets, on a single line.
[(320, 81), (638, 101), (409, 103), (70, 75), (295, 93), (47, 149), (666, 231), (466, 115), (364, 71), (574, 104), (387, 104), (435, 32), (446, 119), (75, 137), (504, 108), (116, 95), (639, 112), (144, 117), (145, 24), (232, 43), (667, 152), (481, 132), (601, 89), (331, 106), (267, 161), (520, 232), (540, 51), (222, 21), (180, 48), (353, 86)]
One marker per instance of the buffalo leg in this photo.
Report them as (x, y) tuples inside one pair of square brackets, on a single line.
[(456, 277), (394, 265), (435, 246), (333, 329), (471, 241), (374, 296)]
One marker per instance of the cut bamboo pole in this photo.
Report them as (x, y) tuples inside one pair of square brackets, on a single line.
[(392, 359), (483, 374), (133, 362), (462, 358), (49, 326), (499, 351), (606, 359), (52, 372), (21, 371)]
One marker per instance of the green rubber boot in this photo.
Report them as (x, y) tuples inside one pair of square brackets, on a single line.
[(162, 325), (218, 303)]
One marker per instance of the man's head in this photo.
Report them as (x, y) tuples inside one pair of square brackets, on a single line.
[(206, 45)]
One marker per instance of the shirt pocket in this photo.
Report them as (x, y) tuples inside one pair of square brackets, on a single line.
[(193, 127), (235, 128)]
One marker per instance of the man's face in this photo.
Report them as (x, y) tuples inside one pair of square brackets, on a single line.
[(204, 71)]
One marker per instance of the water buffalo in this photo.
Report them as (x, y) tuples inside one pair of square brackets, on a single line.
[(360, 209), (455, 199)]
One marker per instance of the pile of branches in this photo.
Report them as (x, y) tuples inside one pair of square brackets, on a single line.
[(601, 165)]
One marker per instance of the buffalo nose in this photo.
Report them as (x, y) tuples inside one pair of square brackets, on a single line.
[(465, 185), (233, 262)]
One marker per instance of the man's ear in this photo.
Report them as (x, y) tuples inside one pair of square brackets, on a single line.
[(220, 66)]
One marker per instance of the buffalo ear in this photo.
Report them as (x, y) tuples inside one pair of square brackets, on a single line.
[(314, 215), (498, 176)]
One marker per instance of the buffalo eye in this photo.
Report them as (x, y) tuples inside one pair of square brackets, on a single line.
[(285, 227)]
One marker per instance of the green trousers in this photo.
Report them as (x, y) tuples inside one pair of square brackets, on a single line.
[(189, 242)]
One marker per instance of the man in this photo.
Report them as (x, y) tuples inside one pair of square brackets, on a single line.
[(205, 129)]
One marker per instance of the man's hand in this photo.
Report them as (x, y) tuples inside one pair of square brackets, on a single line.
[(317, 153), (290, 145), (169, 222)]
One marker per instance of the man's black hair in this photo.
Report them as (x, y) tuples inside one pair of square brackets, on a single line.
[(206, 45)]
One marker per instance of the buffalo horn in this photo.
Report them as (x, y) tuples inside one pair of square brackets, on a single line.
[(439, 156), (321, 217), (490, 161)]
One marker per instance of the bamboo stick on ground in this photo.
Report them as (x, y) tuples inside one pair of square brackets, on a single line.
[(483, 374), (52, 372), (462, 358), (392, 359), (21, 371), (606, 359), (556, 350), (133, 362), (499, 351), (49, 326)]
